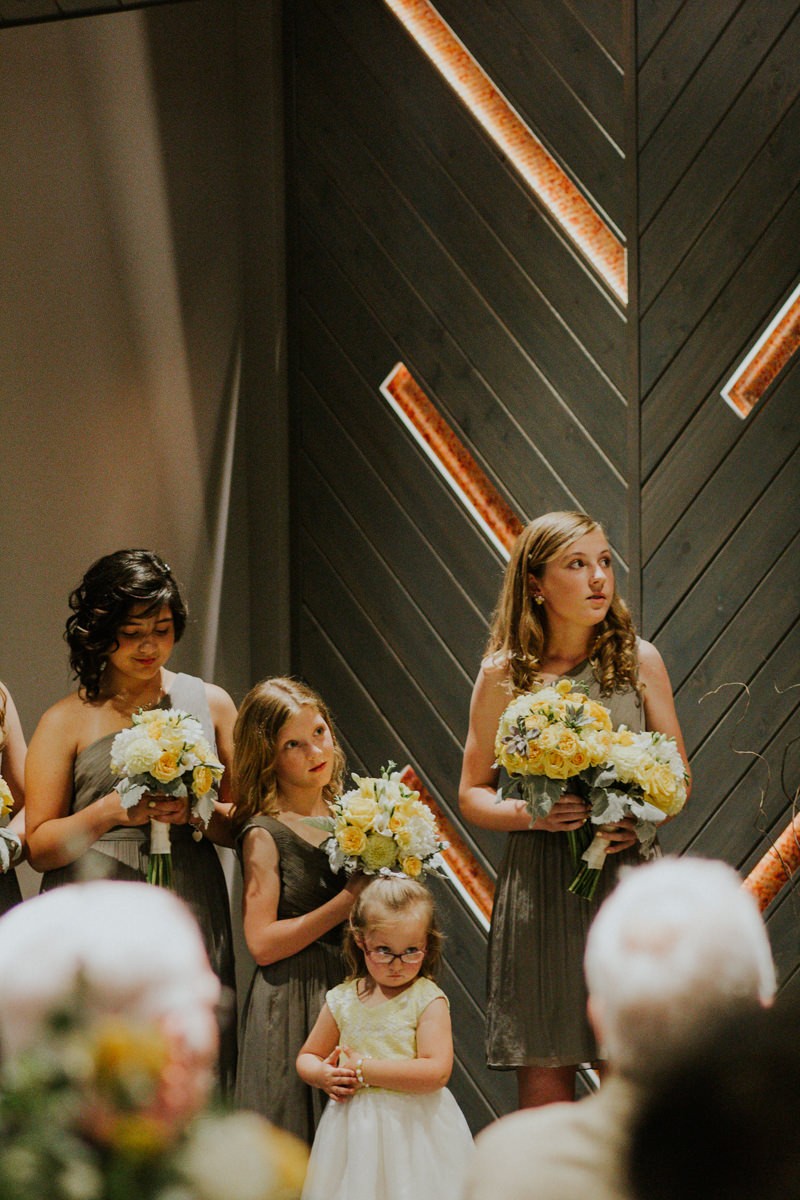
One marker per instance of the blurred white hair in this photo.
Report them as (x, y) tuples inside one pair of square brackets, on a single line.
[(125, 948), (678, 944)]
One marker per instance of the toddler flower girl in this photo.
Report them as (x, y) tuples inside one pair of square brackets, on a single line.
[(382, 1050)]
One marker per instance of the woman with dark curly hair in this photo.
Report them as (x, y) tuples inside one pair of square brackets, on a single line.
[(558, 616), (127, 615)]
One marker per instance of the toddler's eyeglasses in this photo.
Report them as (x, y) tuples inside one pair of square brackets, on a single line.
[(385, 958)]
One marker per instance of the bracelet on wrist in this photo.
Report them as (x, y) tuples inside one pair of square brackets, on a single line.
[(360, 1073)]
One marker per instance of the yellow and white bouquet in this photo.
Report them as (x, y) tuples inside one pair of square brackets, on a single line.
[(10, 845), (165, 751), (104, 1108), (547, 737), (557, 739), (644, 778), (381, 825)]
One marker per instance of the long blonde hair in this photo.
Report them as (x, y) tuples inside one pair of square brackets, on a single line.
[(518, 633), (265, 710), (384, 898)]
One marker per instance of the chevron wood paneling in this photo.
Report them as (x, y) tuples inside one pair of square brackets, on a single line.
[(719, 211), (413, 240)]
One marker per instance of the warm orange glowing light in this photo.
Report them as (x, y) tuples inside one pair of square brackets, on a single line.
[(779, 341), (463, 869), (549, 182), (777, 866), (452, 459)]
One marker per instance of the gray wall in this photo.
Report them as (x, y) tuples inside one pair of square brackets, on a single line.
[(140, 168), (125, 407)]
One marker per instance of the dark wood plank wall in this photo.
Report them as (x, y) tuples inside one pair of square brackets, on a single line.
[(719, 217), (412, 239)]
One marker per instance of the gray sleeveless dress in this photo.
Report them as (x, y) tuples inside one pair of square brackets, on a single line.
[(197, 875), (536, 1004), (286, 997), (9, 885)]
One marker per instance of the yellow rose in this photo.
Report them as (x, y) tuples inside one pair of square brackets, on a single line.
[(202, 779), (402, 814), (568, 744), (6, 799), (411, 866), (155, 730), (662, 788), (564, 687), (601, 717), (167, 767), (351, 839), (556, 766), (379, 851), (361, 810), (139, 1135), (622, 737), (548, 738), (122, 1050), (579, 759)]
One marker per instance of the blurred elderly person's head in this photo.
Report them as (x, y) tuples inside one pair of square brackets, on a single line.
[(677, 945), (125, 959)]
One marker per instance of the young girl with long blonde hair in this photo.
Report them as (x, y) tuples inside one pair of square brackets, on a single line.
[(288, 765), (558, 616), (382, 1050)]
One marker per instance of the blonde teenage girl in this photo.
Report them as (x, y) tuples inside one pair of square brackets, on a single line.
[(382, 1050), (558, 615)]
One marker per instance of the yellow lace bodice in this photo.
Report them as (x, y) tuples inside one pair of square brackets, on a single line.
[(386, 1030)]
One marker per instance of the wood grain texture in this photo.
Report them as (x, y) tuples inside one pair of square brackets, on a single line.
[(414, 241)]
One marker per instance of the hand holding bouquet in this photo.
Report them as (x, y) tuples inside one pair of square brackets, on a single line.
[(10, 845), (556, 739), (165, 751), (381, 825)]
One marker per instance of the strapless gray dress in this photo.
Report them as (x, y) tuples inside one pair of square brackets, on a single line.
[(286, 997), (9, 885), (536, 1002), (197, 873), (9, 891)]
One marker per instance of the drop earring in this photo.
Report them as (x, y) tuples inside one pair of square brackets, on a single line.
[(538, 598)]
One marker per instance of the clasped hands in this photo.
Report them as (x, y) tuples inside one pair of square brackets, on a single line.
[(173, 810), (571, 812), (338, 1079)]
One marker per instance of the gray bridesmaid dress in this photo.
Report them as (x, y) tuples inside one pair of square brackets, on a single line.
[(286, 997), (9, 891), (9, 885), (197, 875), (536, 1005)]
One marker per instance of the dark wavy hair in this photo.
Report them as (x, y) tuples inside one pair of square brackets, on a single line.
[(103, 601)]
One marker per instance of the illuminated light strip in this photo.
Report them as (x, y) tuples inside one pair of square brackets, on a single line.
[(777, 866), (562, 199), (779, 341), (461, 866), (452, 459)]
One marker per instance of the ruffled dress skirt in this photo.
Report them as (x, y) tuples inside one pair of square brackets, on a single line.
[(384, 1145)]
